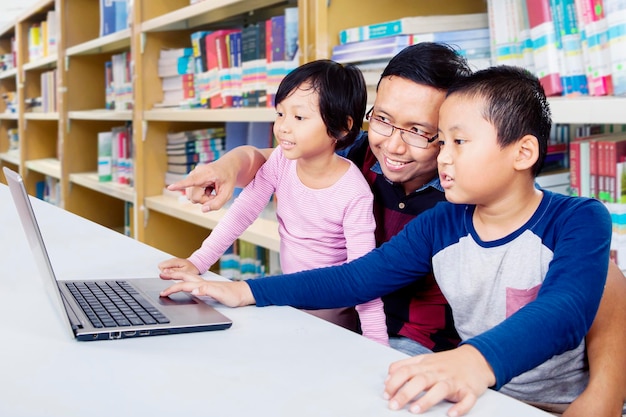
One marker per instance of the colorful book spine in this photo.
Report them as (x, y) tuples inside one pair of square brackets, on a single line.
[(505, 24), (593, 30), (572, 69), (416, 24), (545, 46), (616, 20)]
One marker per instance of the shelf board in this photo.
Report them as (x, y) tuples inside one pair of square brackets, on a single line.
[(101, 114), (8, 116), (203, 13), (8, 73), (12, 157), (262, 114), (42, 63), (47, 166), (41, 116), (114, 42), (262, 232), (90, 180), (577, 110)]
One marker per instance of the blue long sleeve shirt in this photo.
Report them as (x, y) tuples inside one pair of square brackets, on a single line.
[(525, 301)]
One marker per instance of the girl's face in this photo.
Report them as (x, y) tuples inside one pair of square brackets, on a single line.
[(410, 106), (299, 128)]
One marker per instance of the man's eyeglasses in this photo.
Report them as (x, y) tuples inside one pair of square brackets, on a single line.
[(409, 137)]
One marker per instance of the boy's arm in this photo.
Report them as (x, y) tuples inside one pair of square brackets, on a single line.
[(606, 392), (212, 185)]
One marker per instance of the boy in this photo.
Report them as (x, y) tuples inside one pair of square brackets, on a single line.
[(493, 129)]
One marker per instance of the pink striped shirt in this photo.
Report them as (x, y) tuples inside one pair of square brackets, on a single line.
[(317, 227)]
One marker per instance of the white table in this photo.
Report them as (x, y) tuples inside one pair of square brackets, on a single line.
[(274, 361)]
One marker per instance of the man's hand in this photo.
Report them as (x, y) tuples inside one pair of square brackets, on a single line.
[(231, 294), (460, 375)]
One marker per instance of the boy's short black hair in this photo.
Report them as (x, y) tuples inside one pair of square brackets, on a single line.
[(515, 104), (431, 64), (342, 96)]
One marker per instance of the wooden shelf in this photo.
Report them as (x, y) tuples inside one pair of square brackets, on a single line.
[(111, 43), (262, 232), (203, 13), (90, 180), (217, 115), (43, 63), (41, 116), (12, 157), (47, 166), (101, 114), (601, 110), (8, 73), (8, 116)]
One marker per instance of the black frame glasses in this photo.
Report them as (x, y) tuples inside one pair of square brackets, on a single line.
[(409, 137)]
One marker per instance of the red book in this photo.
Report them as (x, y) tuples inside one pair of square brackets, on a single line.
[(217, 63), (615, 152), (546, 54)]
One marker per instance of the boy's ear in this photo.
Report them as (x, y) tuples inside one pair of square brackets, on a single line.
[(527, 153)]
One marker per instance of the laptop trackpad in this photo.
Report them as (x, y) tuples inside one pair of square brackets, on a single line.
[(176, 299)]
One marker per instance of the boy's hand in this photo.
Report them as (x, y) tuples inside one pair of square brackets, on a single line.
[(211, 185), (460, 375), (231, 294), (178, 264)]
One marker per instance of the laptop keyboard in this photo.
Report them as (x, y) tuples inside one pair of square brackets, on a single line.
[(114, 304)]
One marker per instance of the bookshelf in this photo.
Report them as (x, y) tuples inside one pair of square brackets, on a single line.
[(62, 144)]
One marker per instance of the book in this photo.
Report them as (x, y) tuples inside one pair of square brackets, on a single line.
[(233, 43), (614, 152), (593, 28), (385, 52), (381, 48), (217, 68), (615, 11), (253, 66), (579, 168), (545, 46), (291, 32), (105, 156), (572, 69), (505, 25), (415, 24)]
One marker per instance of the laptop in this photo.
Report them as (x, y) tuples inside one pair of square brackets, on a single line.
[(90, 308)]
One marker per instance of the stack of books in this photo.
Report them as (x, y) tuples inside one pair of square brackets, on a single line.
[(371, 47), (175, 68), (575, 47), (186, 149)]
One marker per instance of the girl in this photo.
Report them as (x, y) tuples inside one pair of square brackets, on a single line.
[(324, 205)]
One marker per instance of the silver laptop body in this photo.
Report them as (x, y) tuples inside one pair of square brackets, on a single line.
[(183, 313)]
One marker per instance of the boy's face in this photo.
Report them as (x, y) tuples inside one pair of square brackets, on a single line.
[(473, 169), (410, 106), (299, 128)]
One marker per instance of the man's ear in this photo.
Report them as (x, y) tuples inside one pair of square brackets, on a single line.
[(527, 153)]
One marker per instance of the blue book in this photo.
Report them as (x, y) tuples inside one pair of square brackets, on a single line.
[(291, 32), (383, 52), (398, 40), (451, 36), (107, 17), (415, 24)]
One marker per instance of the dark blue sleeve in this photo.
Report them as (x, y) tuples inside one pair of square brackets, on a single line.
[(383, 270), (567, 302)]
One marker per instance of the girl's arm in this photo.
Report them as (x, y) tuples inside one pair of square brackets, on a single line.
[(212, 185)]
